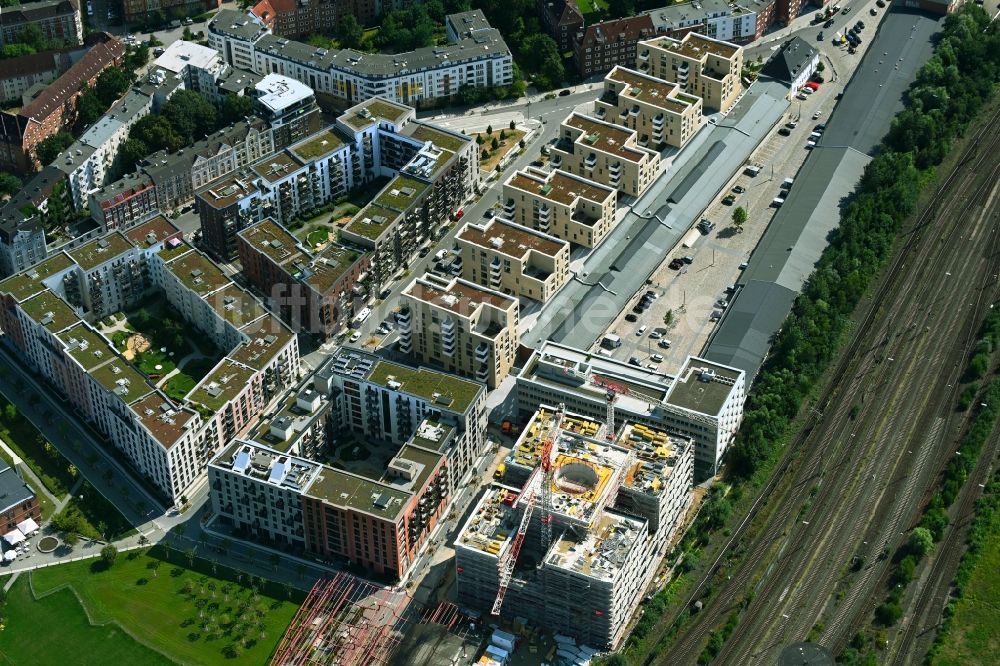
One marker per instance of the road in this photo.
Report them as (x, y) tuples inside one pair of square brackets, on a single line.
[(874, 441)]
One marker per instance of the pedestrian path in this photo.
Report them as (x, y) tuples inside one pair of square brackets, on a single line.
[(27, 471)]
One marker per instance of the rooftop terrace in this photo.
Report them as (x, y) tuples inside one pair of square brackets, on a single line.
[(290, 417), (226, 192), (561, 187), (367, 113), (511, 239), (29, 281), (461, 297), (276, 167), (650, 90), (441, 138), (607, 138), (151, 232), (101, 250), (696, 46), (443, 390)]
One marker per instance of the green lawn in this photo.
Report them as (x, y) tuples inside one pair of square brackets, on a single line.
[(974, 637), (85, 516), (317, 236), (592, 10), (192, 617), (179, 386), (27, 442), (28, 637), (148, 360)]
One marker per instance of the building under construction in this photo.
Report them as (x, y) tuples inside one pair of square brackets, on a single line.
[(571, 537)]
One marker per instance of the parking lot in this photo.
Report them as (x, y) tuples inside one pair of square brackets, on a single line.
[(687, 297)]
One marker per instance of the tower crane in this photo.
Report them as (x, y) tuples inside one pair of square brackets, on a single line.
[(507, 562)]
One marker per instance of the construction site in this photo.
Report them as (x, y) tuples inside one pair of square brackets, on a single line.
[(572, 533)]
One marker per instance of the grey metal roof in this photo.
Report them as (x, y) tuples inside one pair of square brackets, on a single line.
[(13, 489), (673, 17), (786, 65), (236, 24)]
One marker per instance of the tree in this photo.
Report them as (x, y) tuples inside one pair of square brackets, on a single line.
[(15, 50), (137, 57), (157, 133), (190, 115), (920, 543), (111, 84), (349, 31), (10, 411), (621, 8), (49, 148), (108, 555), (489, 130), (235, 108), (512, 124), (57, 211), (131, 152), (495, 143), (820, 67), (102, 528), (153, 566), (71, 539), (541, 56), (9, 183), (143, 541), (72, 470), (888, 613), (739, 217)]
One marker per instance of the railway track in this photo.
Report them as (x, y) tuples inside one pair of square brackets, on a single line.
[(854, 469)]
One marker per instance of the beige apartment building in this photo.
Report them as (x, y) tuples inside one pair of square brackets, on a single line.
[(459, 327), (702, 66), (605, 153), (561, 204), (513, 259), (659, 112)]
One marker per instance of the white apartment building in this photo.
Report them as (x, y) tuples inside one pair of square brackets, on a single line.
[(460, 327), (605, 153), (475, 57), (718, 19), (513, 259), (198, 66), (569, 207)]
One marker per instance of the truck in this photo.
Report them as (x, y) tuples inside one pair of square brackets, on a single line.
[(500, 471), (753, 170), (611, 341)]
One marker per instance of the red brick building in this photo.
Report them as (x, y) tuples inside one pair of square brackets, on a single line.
[(563, 20), (139, 11), (125, 202), (17, 500), (54, 109), (602, 46), (293, 18)]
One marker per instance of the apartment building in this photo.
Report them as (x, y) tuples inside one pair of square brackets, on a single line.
[(18, 502), (475, 56), (312, 293), (141, 11), (22, 233), (659, 112), (52, 110), (18, 75), (718, 19), (703, 401), (125, 202), (605, 153), (601, 46), (47, 314), (298, 18), (569, 207), (460, 327), (702, 66), (58, 20), (513, 259), (562, 19), (198, 66), (384, 401)]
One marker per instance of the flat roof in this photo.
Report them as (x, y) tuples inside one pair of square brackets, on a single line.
[(492, 523), (602, 551), (101, 250), (370, 111), (511, 239), (298, 418), (561, 187), (275, 241), (702, 386), (317, 146), (181, 54), (227, 191), (29, 281), (50, 311), (198, 273), (607, 138), (400, 193), (695, 46), (87, 346), (277, 92), (458, 296), (171, 251), (656, 457), (268, 336), (651, 90), (227, 380), (441, 137), (122, 379), (329, 266), (353, 491), (444, 391), (151, 232), (164, 420), (236, 305), (433, 435), (372, 221), (276, 167)]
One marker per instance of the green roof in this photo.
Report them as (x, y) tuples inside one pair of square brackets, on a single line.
[(100, 250), (170, 253), (443, 390), (276, 167), (393, 196), (376, 109), (446, 432), (378, 219), (318, 145), (347, 490), (330, 265), (221, 385), (121, 378), (29, 281), (441, 139), (268, 336), (50, 311), (198, 273), (236, 306), (87, 346)]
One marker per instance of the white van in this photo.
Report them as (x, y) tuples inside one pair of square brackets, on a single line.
[(776, 202), (657, 358), (639, 331), (364, 314)]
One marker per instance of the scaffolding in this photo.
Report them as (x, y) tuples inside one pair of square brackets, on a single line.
[(345, 621)]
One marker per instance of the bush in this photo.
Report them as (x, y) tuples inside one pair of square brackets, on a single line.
[(888, 613), (108, 555)]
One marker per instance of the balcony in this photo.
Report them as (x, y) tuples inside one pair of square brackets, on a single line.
[(482, 373), (482, 352), (405, 343), (590, 162), (615, 169), (658, 121)]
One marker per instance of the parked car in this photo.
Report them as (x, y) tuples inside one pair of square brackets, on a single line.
[(656, 335), (656, 358), (639, 331), (663, 344), (729, 200), (880, 3), (676, 264), (355, 336), (424, 251), (635, 361), (639, 309), (90, 9), (819, 37), (873, 11), (816, 115), (828, 24), (784, 131), (631, 318), (739, 189), (688, 260), (802, 96), (564, 93), (651, 294)]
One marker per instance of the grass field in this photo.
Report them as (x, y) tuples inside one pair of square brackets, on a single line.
[(28, 637), (179, 386), (27, 442), (192, 617), (974, 636)]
